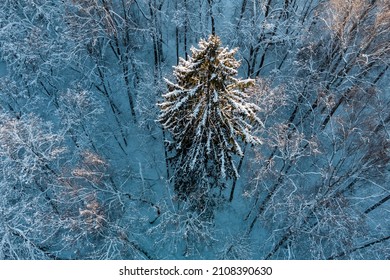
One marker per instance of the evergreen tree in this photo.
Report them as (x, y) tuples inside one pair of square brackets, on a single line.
[(207, 113)]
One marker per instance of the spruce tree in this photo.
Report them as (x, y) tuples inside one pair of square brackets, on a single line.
[(209, 117)]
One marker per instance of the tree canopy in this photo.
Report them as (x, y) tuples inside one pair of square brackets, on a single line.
[(208, 113)]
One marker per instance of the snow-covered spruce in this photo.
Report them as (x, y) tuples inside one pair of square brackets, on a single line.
[(208, 115)]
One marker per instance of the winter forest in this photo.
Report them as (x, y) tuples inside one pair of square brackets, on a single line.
[(194, 129)]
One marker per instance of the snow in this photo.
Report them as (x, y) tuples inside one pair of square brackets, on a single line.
[(81, 178)]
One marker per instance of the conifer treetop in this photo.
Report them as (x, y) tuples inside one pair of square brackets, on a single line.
[(207, 111)]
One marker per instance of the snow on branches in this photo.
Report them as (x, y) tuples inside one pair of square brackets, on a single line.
[(208, 115)]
